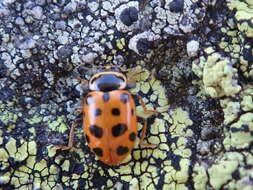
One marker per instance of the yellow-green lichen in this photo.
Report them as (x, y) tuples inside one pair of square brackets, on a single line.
[(51, 151), (22, 152), (3, 155), (11, 147), (234, 156), (180, 121), (230, 109), (247, 103), (133, 185), (31, 160), (183, 175), (120, 43), (198, 66), (245, 27), (209, 50), (53, 170), (247, 98), (118, 186), (15, 181), (32, 148), (219, 77), (180, 148), (36, 183), (7, 117), (41, 167), (221, 173), (199, 177), (244, 16), (65, 166), (34, 120), (180, 176), (4, 179), (235, 32), (240, 133), (58, 125), (237, 159)]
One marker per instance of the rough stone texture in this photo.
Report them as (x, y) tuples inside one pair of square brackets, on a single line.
[(197, 61)]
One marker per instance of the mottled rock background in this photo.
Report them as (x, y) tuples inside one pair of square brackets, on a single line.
[(197, 56)]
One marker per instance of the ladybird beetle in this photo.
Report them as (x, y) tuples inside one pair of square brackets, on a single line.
[(109, 118)]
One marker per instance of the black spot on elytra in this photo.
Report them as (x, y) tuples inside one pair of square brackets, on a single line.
[(106, 97), (115, 111), (89, 99), (119, 129), (132, 111), (87, 138), (96, 131), (98, 151), (124, 98), (121, 150), (97, 112), (132, 136)]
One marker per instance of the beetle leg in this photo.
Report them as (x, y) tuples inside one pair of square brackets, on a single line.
[(144, 129), (106, 67), (79, 110), (143, 134), (132, 77), (84, 83), (145, 110), (71, 139)]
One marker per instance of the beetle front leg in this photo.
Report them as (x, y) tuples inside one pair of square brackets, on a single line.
[(145, 110), (131, 81), (84, 84), (80, 108), (71, 139), (144, 129), (143, 134)]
